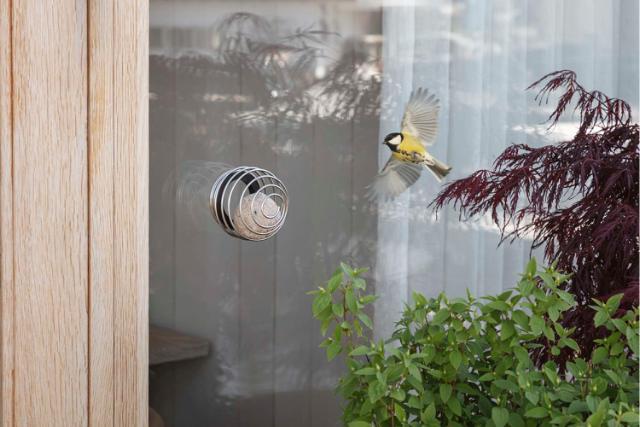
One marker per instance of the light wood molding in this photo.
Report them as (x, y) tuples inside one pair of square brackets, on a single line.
[(6, 220), (101, 208), (49, 101), (73, 213), (131, 216)]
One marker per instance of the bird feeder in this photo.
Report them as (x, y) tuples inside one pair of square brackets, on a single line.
[(249, 203)]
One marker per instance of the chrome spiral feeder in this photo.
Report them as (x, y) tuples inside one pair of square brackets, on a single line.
[(249, 203)]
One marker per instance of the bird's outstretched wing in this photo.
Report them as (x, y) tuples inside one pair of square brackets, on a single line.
[(421, 116), (394, 179)]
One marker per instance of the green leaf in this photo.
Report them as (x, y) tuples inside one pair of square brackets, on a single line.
[(368, 299), (487, 377), (415, 372), (376, 391), (500, 416), (455, 358), (338, 309), (567, 298), (350, 299), (600, 318), (507, 330), (366, 371), (333, 350), (515, 420), (398, 394), (619, 324), (548, 280), (568, 342), (537, 412), (334, 282), (366, 320), (360, 424), (577, 406), (454, 405), (531, 267), (550, 371), (506, 385), (429, 414), (324, 326), (445, 392), (320, 302), (616, 348), (498, 305), (360, 351), (359, 284), (347, 270), (521, 318), (613, 303), (548, 333), (399, 412), (419, 299), (440, 316), (521, 354), (526, 286), (630, 417), (532, 396), (537, 324), (614, 377), (595, 420)]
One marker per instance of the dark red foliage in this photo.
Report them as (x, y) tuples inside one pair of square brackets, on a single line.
[(578, 198)]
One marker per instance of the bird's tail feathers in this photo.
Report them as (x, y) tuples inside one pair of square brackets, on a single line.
[(437, 168)]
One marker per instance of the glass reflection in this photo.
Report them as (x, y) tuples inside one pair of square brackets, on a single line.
[(293, 91)]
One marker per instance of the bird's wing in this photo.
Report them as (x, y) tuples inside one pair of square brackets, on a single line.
[(421, 116), (394, 179)]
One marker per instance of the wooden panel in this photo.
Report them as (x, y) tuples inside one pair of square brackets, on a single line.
[(50, 212), (131, 171), (73, 186), (6, 221), (101, 211)]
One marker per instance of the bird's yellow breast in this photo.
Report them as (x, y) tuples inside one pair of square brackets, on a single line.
[(410, 149)]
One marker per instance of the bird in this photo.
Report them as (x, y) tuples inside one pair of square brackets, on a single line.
[(409, 155)]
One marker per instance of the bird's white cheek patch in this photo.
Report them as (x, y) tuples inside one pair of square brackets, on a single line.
[(396, 140)]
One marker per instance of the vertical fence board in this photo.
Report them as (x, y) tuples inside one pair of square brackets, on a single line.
[(49, 74), (6, 220), (131, 171), (101, 213)]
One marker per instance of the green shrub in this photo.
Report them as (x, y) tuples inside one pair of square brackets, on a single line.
[(466, 361)]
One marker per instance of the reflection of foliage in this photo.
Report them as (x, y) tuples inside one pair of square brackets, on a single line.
[(255, 75), (348, 87), (579, 198)]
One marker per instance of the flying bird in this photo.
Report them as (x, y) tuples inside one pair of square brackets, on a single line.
[(409, 156)]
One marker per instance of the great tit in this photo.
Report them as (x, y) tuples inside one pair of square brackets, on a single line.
[(408, 148)]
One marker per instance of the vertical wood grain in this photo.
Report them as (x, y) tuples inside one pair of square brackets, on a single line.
[(73, 187), (50, 212), (131, 171), (6, 220), (101, 213)]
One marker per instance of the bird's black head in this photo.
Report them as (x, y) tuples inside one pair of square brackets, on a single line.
[(393, 140)]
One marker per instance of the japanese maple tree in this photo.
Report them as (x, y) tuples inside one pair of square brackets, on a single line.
[(577, 198)]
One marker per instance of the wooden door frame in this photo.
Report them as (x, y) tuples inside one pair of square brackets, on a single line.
[(73, 212)]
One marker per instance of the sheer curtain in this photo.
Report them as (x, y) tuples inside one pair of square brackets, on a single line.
[(478, 57)]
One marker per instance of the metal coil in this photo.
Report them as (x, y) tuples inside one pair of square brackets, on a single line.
[(249, 203)]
